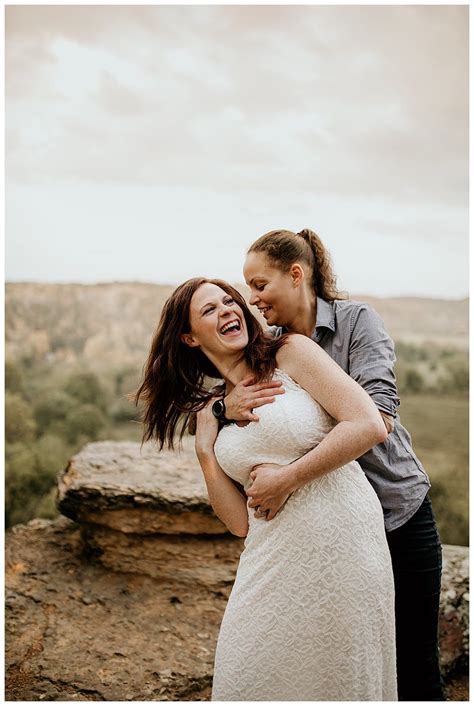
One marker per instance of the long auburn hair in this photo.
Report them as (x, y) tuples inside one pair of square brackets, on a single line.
[(174, 376), (284, 248)]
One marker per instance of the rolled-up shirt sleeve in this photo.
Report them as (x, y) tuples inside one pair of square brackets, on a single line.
[(372, 359)]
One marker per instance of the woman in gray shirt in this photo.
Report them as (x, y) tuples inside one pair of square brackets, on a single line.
[(292, 284)]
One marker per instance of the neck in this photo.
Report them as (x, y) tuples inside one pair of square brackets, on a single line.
[(304, 319), (232, 369)]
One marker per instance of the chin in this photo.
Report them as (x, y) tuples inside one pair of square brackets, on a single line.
[(271, 320)]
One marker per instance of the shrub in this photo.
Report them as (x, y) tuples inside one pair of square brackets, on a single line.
[(414, 381), (84, 421), (52, 455), (51, 409), (86, 388), (123, 411), (14, 378), (19, 422), (22, 485)]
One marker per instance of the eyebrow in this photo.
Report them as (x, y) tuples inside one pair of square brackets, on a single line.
[(256, 278), (212, 303), (204, 305)]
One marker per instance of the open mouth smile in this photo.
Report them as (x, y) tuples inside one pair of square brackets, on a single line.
[(230, 327), (264, 309)]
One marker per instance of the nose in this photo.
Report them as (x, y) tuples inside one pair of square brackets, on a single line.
[(226, 309), (253, 297)]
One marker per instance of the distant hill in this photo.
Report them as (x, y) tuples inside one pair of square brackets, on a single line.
[(113, 323)]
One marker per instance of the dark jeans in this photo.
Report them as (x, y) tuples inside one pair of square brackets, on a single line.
[(416, 558)]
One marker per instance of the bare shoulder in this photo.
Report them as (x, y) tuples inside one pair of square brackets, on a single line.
[(297, 352)]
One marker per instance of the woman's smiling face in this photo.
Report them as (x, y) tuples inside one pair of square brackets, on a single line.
[(271, 290), (217, 322)]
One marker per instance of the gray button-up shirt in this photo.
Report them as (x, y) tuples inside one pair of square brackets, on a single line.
[(354, 335)]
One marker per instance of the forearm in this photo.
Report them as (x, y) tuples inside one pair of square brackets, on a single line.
[(344, 443), (228, 503)]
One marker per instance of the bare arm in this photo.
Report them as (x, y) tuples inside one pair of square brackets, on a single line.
[(228, 503), (359, 427)]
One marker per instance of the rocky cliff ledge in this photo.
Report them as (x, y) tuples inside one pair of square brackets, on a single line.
[(122, 598)]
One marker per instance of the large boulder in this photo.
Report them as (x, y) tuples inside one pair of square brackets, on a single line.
[(137, 490)]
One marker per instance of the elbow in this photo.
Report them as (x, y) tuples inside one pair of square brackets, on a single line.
[(240, 531), (378, 431)]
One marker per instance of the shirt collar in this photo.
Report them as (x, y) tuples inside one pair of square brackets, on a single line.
[(325, 316)]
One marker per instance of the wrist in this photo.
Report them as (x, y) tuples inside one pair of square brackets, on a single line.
[(289, 478), (219, 411)]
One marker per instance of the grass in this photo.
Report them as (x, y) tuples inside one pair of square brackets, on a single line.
[(439, 427)]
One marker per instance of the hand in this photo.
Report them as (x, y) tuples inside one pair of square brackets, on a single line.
[(247, 395), (207, 428), (270, 489)]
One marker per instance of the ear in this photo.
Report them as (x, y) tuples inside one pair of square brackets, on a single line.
[(189, 340), (297, 274)]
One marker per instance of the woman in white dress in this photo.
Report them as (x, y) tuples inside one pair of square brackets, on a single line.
[(311, 613)]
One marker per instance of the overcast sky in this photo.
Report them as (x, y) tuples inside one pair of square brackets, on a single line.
[(155, 143)]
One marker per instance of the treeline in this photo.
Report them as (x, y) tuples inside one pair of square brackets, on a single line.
[(53, 409), (50, 414), (440, 370)]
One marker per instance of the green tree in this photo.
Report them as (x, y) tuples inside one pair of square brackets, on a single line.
[(19, 422), (22, 485), (52, 455), (53, 408), (84, 421), (459, 375), (413, 381), (86, 388), (14, 378), (123, 411)]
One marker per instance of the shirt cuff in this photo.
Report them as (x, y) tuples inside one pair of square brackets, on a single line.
[(386, 405)]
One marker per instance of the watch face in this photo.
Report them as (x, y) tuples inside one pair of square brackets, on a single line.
[(218, 409)]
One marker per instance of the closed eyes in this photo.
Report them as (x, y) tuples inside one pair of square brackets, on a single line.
[(211, 307)]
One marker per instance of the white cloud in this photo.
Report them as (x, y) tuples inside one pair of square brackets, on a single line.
[(348, 119)]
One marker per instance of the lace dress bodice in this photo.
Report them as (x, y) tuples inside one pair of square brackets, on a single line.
[(288, 428)]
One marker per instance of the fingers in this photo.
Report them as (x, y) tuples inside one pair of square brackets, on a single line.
[(258, 387), (259, 401)]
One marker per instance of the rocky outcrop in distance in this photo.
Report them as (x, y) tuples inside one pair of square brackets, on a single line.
[(122, 598)]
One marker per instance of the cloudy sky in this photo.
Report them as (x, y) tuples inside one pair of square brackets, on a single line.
[(155, 143)]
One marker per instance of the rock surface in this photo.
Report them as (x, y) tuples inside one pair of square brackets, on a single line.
[(76, 631), (124, 601), (454, 609), (137, 489)]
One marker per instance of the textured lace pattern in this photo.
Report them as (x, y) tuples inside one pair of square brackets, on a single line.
[(311, 613)]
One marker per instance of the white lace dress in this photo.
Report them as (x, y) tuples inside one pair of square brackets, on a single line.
[(311, 613)]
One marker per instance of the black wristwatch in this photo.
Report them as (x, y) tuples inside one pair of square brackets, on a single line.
[(218, 410)]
